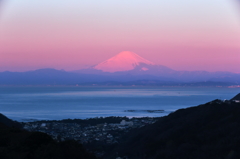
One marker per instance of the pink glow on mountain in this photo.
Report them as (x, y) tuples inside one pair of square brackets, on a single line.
[(124, 61)]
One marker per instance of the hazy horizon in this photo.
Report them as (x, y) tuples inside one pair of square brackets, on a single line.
[(92, 67)]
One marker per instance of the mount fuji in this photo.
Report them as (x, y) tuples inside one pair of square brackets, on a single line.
[(124, 61), (129, 65), (127, 62)]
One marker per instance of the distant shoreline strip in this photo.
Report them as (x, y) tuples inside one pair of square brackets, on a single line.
[(148, 111)]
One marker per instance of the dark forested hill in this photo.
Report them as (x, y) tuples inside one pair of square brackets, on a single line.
[(209, 131), (4, 121), (20, 144), (237, 97)]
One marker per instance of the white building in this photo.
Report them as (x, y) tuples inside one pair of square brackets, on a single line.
[(43, 125), (124, 122)]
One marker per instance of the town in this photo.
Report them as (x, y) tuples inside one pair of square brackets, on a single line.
[(88, 134)]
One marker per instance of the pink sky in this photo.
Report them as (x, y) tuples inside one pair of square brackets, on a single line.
[(70, 35)]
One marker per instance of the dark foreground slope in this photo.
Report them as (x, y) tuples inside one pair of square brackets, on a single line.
[(237, 97), (8, 122), (20, 144), (209, 131)]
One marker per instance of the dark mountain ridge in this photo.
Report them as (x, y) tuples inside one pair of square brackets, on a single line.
[(237, 97), (209, 131), (8, 122), (16, 143)]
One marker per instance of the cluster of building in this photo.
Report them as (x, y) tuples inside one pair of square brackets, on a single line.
[(106, 132)]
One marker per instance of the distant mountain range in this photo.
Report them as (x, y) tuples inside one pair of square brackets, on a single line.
[(126, 68)]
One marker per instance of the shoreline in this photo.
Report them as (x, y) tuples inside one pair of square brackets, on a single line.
[(83, 119)]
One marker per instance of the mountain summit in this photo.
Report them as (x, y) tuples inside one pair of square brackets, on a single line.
[(124, 61)]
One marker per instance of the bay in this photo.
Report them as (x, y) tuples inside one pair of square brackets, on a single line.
[(63, 102)]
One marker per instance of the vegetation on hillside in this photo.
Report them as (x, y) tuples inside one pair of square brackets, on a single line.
[(209, 131), (20, 144)]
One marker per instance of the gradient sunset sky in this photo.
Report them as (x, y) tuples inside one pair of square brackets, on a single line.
[(73, 34)]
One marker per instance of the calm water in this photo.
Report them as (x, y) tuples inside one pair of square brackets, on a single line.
[(25, 103)]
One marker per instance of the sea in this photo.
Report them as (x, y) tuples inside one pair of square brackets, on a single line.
[(30, 103)]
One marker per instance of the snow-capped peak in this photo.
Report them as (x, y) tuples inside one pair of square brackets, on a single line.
[(124, 61)]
